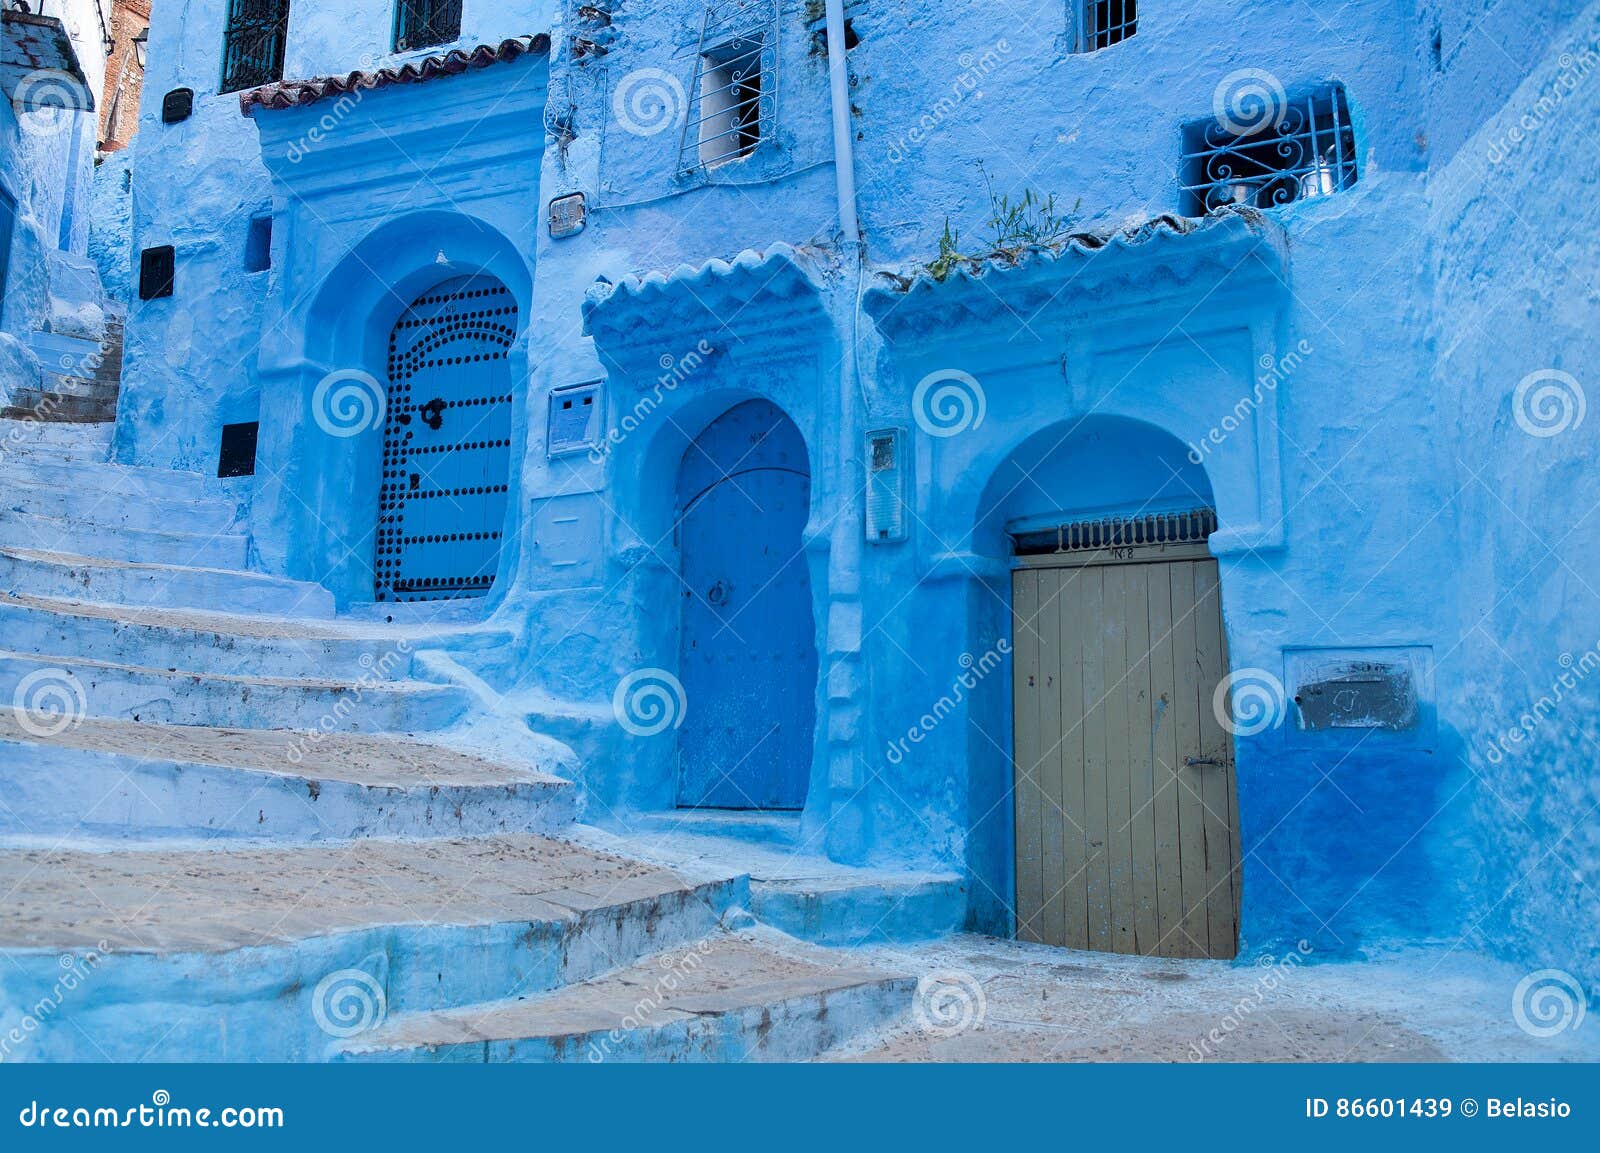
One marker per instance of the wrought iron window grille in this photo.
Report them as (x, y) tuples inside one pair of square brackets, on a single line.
[(733, 95), (1102, 23), (426, 23), (253, 45), (1119, 532), (1279, 151)]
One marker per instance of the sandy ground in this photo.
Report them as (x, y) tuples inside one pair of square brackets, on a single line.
[(983, 999)]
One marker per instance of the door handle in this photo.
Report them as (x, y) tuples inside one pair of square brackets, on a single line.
[(1202, 763)]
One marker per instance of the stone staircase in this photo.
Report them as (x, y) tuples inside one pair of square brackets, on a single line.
[(80, 381), (249, 829)]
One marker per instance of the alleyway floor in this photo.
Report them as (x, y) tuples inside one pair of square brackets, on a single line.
[(1043, 1004)]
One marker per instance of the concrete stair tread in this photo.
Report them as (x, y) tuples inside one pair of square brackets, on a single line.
[(42, 532), (231, 624), (90, 664), (75, 560), (372, 761), (723, 975), (208, 900)]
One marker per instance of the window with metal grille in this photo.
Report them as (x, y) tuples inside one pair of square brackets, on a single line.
[(426, 23), (735, 85), (1119, 532), (1103, 23), (252, 51), (1269, 152), (158, 271)]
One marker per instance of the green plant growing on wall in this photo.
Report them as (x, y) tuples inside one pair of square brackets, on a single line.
[(1033, 221)]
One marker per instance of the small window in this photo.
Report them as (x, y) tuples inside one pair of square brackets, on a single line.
[(253, 44), (258, 245), (1282, 151), (238, 456), (177, 105), (735, 100), (158, 270), (426, 23), (1103, 23)]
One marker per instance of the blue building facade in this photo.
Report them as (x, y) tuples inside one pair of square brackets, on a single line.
[(748, 374)]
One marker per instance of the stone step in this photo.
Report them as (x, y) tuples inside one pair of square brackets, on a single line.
[(205, 642), (267, 953), (84, 441), (49, 405), (121, 780), (119, 507), (83, 687), (65, 576), (54, 534), (729, 997), (133, 479)]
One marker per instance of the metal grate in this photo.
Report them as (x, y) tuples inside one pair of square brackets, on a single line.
[(734, 91), (1293, 150), (158, 272), (426, 23), (1107, 22), (1119, 532), (252, 52)]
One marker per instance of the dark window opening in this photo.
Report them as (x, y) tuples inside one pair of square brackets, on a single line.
[(258, 245), (177, 105), (1107, 22), (426, 23), (1277, 151), (733, 91), (158, 272), (253, 45), (238, 456)]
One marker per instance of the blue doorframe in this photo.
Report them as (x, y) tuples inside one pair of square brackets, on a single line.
[(747, 647)]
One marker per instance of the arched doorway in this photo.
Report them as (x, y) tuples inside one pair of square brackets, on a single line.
[(747, 646), (1126, 834), (446, 443)]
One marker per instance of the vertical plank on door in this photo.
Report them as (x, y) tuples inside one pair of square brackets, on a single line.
[(1141, 753), (1163, 690), (1193, 933), (1119, 761), (1025, 596), (1213, 779), (1052, 849), (1097, 872), (1074, 625)]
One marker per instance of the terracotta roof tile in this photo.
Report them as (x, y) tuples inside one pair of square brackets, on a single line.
[(297, 93)]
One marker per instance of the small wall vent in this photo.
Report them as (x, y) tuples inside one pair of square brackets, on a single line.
[(158, 271), (177, 106)]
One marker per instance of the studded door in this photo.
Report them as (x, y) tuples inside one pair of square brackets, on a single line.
[(446, 443), (747, 647)]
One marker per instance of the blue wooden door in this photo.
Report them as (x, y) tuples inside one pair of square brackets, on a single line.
[(447, 443), (748, 657)]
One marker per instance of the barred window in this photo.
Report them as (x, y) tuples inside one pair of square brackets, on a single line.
[(1267, 149), (1103, 23), (426, 23), (734, 91), (252, 52)]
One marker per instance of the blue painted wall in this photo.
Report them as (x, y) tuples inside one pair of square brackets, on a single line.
[(1328, 373)]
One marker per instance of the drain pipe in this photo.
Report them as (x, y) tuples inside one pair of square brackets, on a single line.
[(847, 832)]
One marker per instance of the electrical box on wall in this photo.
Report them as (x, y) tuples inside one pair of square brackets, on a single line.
[(888, 476), (568, 215), (574, 418)]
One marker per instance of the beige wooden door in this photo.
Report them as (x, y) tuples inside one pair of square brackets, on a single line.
[(1126, 828)]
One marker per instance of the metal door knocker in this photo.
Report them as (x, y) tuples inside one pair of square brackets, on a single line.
[(433, 414)]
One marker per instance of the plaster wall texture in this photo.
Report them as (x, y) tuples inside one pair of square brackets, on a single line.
[(1301, 368)]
